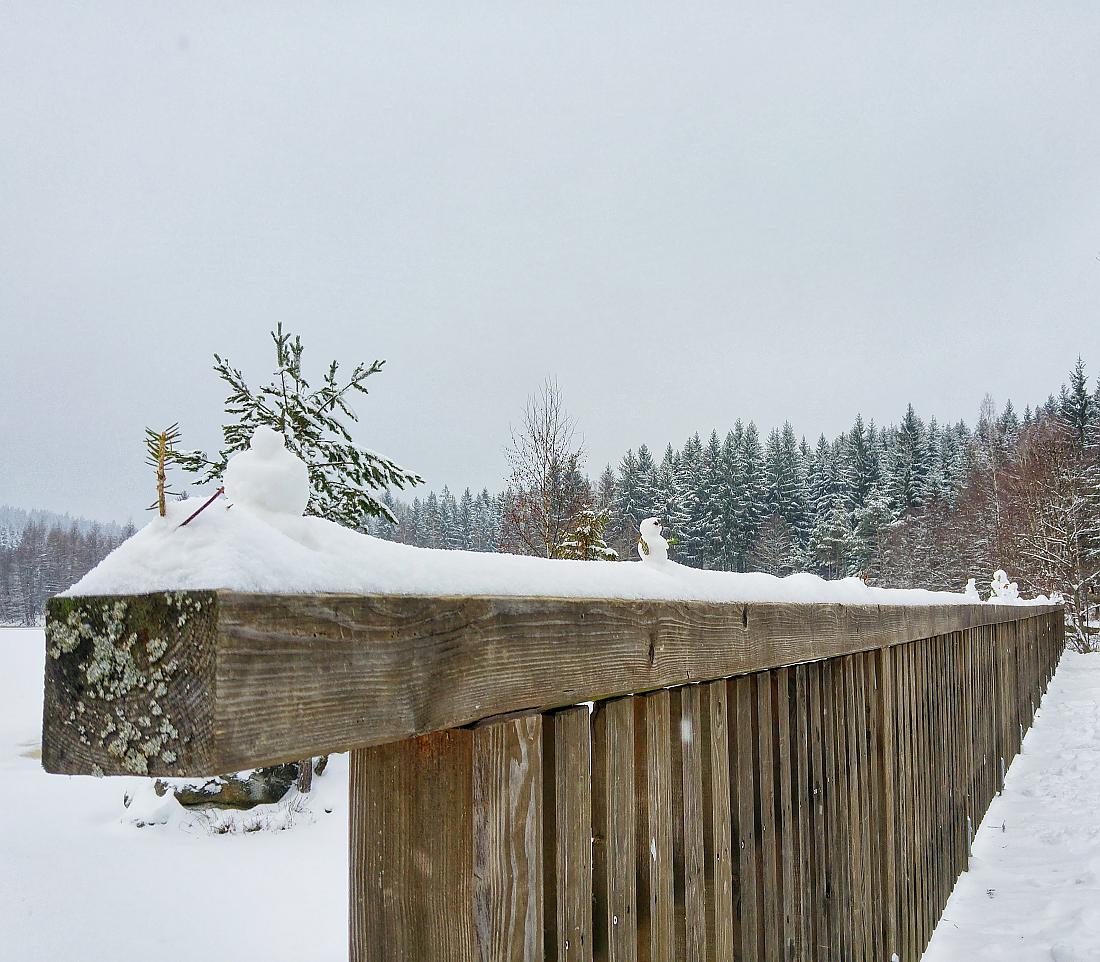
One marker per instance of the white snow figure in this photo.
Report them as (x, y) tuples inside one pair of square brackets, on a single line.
[(971, 591), (656, 548), (1002, 589), (267, 477)]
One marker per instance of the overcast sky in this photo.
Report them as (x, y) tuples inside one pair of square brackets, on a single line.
[(685, 212)]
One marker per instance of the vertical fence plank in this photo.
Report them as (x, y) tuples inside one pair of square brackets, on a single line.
[(924, 770), (784, 813), (508, 843), (614, 816), (882, 665), (959, 754), (907, 743), (567, 834), (717, 821), (837, 870), (875, 822), (766, 818), (654, 850), (689, 897), (803, 810), (818, 834), (943, 779), (853, 717), (411, 850), (749, 893)]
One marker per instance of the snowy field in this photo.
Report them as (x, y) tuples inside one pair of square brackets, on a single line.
[(79, 883)]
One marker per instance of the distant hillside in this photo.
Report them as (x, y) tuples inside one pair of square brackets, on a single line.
[(14, 520), (43, 553)]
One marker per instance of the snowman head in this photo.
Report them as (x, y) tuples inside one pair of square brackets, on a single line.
[(651, 528), (266, 441)]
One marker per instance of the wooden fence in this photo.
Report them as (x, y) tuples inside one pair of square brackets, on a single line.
[(757, 782)]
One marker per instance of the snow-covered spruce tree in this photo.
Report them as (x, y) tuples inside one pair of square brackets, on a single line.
[(831, 541), (910, 463), (627, 507), (346, 479), (776, 550), (585, 542)]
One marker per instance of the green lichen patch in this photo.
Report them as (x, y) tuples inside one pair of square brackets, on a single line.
[(116, 660)]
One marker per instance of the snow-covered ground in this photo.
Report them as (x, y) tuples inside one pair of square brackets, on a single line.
[(78, 882), (1033, 889)]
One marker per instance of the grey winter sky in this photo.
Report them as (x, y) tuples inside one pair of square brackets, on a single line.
[(686, 212)]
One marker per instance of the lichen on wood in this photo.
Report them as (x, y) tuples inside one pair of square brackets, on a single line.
[(125, 673)]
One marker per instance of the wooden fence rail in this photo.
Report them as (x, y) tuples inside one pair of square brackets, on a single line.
[(756, 782)]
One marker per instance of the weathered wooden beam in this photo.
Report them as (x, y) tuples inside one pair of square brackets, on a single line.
[(198, 683)]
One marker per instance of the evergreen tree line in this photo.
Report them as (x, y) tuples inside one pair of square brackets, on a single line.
[(912, 504), (42, 558)]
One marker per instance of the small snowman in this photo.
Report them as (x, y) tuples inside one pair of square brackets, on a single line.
[(267, 478), (971, 591), (652, 547), (1002, 589)]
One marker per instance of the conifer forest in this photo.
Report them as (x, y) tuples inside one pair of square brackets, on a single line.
[(915, 503)]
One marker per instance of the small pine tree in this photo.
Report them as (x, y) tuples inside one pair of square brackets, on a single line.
[(161, 453), (585, 542), (343, 476)]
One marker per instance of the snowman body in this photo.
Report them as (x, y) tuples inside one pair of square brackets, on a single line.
[(656, 547), (267, 477)]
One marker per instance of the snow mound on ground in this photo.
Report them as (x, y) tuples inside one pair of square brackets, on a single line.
[(233, 548)]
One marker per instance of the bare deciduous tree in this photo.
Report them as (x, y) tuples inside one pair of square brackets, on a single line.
[(1049, 512), (547, 491)]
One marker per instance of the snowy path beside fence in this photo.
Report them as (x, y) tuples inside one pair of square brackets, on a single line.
[(1033, 889)]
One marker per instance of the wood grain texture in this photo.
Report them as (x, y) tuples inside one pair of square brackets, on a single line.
[(882, 666), (446, 847), (615, 819), (749, 895), (508, 843), (654, 843), (766, 798), (818, 840), (412, 851), (689, 880), (838, 897), (803, 807), (717, 821), (262, 679), (567, 835), (790, 942)]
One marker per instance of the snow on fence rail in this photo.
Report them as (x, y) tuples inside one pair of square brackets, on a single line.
[(761, 781)]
